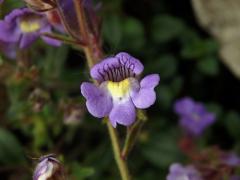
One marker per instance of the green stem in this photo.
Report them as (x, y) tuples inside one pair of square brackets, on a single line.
[(84, 32), (133, 133), (64, 39), (122, 166), (91, 60)]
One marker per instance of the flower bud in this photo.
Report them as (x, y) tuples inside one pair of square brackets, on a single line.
[(49, 168), (41, 5)]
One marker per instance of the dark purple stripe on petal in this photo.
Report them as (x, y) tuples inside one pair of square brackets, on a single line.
[(117, 68)]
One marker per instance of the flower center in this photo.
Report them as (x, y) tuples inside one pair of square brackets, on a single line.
[(119, 89), (28, 26)]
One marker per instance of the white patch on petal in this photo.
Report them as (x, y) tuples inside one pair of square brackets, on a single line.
[(48, 173)]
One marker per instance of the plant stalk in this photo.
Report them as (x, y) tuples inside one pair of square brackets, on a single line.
[(121, 163), (92, 58)]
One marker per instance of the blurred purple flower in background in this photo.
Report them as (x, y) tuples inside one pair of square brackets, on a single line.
[(1, 1), (231, 159), (23, 27), (9, 49), (235, 177), (194, 117), (179, 172), (119, 90)]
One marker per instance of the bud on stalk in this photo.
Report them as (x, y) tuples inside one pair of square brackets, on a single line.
[(49, 168)]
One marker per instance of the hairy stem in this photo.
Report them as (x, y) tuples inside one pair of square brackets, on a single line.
[(92, 57), (133, 133), (64, 39), (84, 32), (122, 166)]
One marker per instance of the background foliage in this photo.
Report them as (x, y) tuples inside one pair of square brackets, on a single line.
[(165, 36)]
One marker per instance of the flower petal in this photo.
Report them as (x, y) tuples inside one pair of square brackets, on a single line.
[(117, 68), (97, 70), (131, 61), (99, 103), (9, 32), (51, 41), (123, 113), (48, 40), (146, 96), (184, 106), (27, 39), (150, 81)]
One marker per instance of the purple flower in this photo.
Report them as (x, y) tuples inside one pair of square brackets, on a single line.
[(9, 49), (23, 27), (48, 168), (1, 1), (194, 117), (119, 92), (235, 177), (179, 172), (231, 159)]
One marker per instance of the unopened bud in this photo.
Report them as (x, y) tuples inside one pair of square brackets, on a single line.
[(41, 5), (49, 168)]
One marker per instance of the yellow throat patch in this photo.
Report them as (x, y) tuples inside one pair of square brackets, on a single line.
[(118, 89), (27, 26)]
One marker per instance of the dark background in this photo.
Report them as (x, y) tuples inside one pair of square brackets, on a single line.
[(166, 37)]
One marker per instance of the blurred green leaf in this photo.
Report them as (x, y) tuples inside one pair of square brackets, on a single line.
[(208, 66), (215, 108), (81, 173), (112, 30), (232, 120), (165, 65), (133, 34), (40, 133), (54, 61), (197, 48), (11, 152), (176, 85), (126, 33), (162, 150), (165, 28), (164, 96), (11, 4)]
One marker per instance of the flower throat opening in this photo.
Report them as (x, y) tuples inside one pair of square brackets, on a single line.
[(117, 72)]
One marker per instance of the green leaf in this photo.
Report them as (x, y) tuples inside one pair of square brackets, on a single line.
[(166, 28), (133, 34), (165, 65), (232, 120), (164, 96), (197, 48), (80, 173), (112, 30), (176, 85), (215, 108), (10, 5), (162, 149), (54, 62), (11, 152), (208, 66)]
